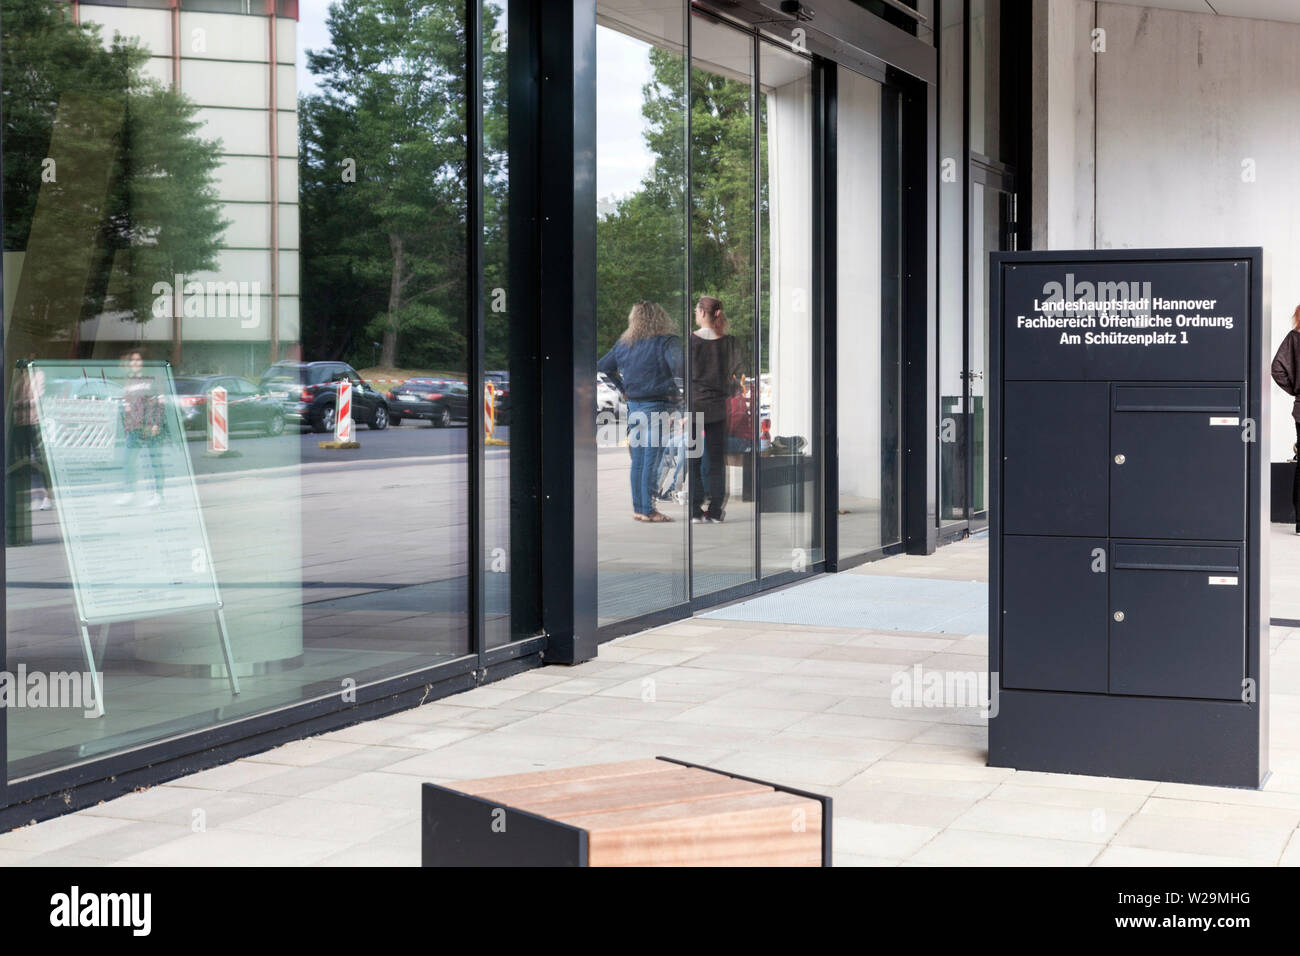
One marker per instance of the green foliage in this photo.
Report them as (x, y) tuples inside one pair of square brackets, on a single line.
[(128, 199), (641, 243), (384, 255)]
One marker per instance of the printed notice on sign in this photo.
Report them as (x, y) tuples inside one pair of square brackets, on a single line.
[(122, 484), (1144, 319), (1120, 314)]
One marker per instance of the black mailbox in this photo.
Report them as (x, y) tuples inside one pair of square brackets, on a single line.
[(1127, 629)]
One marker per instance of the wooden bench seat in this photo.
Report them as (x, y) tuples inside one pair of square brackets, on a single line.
[(655, 812)]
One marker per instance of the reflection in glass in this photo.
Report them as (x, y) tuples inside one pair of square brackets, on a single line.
[(260, 230), (953, 447), (868, 357), (642, 308), (722, 268), (508, 615), (989, 213), (789, 454)]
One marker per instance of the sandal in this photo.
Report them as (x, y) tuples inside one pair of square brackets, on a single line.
[(656, 517)]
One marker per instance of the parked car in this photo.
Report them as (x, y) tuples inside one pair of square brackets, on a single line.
[(608, 397), (502, 382), (89, 388), (247, 405), (439, 401), (308, 392)]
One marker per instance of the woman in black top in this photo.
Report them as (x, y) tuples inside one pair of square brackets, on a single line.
[(717, 371), (1286, 372)]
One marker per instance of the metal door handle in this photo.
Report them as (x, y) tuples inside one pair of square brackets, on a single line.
[(1120, 459), (1119, 617)]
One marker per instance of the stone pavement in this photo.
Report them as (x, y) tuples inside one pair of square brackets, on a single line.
[(805, 706)]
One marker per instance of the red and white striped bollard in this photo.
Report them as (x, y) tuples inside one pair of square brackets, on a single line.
[(218, 422), (343, 413)]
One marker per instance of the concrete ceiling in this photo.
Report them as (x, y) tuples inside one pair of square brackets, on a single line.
[(1285, 10)]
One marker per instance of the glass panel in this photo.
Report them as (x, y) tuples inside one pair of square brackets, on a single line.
[(868, 360), (725, 397), (249, 223), (952, 257), (990, 213), (642, 309), (790, 449), (986, 129), (512, 605)]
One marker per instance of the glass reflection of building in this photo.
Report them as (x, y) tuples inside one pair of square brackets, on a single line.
[(222, 185)]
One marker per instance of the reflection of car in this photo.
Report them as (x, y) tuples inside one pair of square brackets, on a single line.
[(609, 398), (436, 400), (247, 406), (501, 381), (308, 391), (93, 389)]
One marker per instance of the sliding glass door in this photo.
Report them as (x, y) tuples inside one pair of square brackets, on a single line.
[(725, 395), (714, 228), (868, 343)]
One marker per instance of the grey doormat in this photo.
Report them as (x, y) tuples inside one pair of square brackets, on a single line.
[(871, 602)]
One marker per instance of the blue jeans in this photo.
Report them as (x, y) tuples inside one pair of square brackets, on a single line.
[(646, 445), (139, 445)]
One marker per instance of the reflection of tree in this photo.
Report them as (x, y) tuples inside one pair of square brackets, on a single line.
[(108, 187), (387, 251), (640, 245)]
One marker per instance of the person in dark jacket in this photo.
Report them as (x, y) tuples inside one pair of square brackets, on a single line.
[(717, 374), (1286, 372), (645, 364)]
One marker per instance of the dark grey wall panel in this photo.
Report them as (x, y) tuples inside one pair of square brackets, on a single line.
[(1055, 453), (1051, 602)]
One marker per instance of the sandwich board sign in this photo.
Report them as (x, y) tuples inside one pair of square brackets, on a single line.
[(124, 489)]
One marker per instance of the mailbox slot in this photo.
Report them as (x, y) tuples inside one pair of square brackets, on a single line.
[(1182, 632), (1178, 463)]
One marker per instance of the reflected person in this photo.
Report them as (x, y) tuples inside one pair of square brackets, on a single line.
[(1286, 372), (142, 415), (717, 371), (25, 447), (644, 365)]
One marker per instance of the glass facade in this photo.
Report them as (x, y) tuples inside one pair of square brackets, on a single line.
[(214, 250), (281, 421), (868, 352), (979, 138), (642, 309)]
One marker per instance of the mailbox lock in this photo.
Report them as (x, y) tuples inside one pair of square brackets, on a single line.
[(1119, 459), (1119, 616)]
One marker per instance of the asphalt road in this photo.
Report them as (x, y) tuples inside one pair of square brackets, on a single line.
[(411, 439)]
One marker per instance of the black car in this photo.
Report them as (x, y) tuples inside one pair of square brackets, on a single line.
[(247, 406), (308, 391), (436, 400)]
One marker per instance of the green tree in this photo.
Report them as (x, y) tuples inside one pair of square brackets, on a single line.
[(392, 102), (641, 243)]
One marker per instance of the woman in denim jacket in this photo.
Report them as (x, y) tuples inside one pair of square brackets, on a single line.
[(645, 364)]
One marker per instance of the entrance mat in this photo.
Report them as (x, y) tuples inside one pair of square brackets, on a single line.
[(871, 602)]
